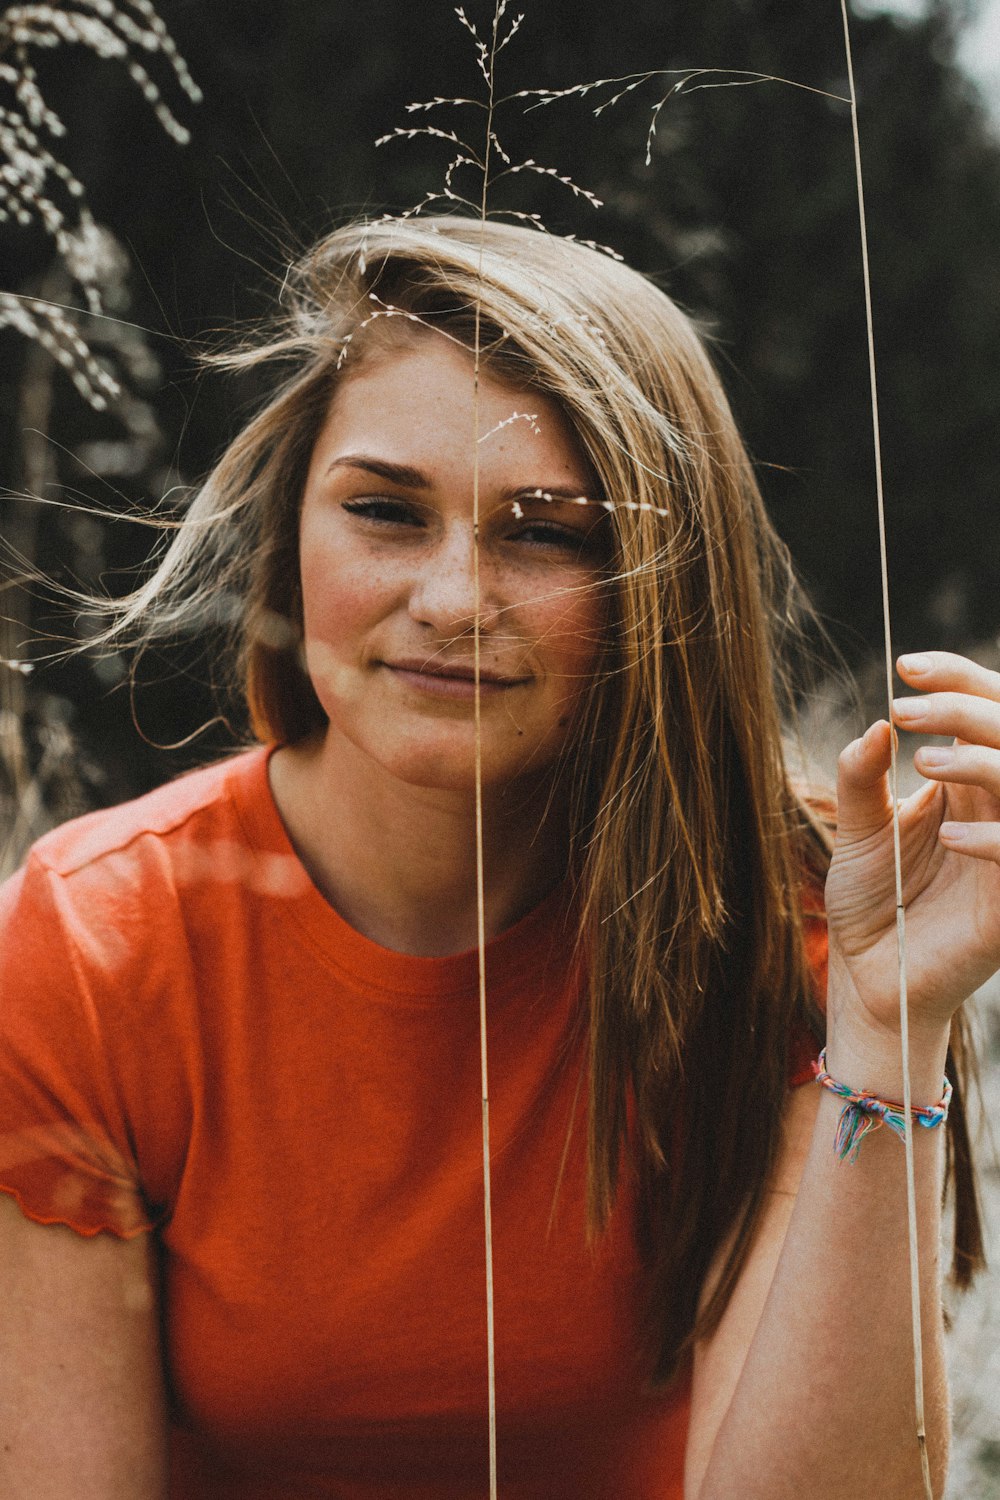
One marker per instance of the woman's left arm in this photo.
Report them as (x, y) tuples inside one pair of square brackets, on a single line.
[(806, 1386)]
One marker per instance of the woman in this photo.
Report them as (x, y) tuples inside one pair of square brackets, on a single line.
[(239, 1015)]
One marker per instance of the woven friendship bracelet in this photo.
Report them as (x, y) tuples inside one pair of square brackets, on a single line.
[(864, 1112)]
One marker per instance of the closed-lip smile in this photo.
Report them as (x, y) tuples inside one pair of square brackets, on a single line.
[(450, 679)]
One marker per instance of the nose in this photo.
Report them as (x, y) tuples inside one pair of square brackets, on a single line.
[(443, 589)]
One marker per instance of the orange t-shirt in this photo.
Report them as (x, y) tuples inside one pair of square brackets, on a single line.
[(193, 1042)]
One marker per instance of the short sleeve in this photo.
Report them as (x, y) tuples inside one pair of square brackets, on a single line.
[(65, 1150)]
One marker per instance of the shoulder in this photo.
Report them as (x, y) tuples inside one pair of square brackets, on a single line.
[(206, 797), (122, 941), (114, 881)]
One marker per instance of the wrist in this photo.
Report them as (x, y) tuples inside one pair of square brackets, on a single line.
[(869, 1056), (864, 1049)]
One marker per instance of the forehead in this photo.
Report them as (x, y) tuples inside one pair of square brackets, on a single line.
[(420, 402)]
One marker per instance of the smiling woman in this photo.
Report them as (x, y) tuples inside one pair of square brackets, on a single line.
[(387, 577), (388, 538), (498, 507)]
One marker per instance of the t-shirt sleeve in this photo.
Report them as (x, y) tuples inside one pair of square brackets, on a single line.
[(66, 1153)]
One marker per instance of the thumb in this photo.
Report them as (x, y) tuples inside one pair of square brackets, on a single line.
[(864, 798)]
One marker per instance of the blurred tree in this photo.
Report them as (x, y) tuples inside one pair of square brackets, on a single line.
[(72, 258)]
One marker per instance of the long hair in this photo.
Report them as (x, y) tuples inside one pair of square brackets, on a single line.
[(691, 847)]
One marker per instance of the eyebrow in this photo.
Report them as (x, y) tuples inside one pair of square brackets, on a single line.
[(402, 474), (410, 478)]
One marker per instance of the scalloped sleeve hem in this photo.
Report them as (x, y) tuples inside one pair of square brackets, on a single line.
[(65, 1173), (88, 1230)]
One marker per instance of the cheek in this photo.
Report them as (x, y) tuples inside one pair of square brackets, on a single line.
[(341, 594), (344, 599), (570, 633)]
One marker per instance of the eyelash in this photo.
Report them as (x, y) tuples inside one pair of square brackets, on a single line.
[(384, 510), (549, 533)]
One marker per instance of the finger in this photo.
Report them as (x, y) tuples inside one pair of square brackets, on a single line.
[(864, 802), (945, 671), (980, 840), (965, 765), (964, 716)]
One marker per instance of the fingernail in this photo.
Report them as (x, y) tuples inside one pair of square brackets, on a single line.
[(915, 663), (909, 708), (953, 832), (937, 758)]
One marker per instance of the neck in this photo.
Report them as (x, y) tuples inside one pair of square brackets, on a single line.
[(398, 862)]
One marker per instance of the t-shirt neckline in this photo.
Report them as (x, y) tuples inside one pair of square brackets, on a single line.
[(525, 948)]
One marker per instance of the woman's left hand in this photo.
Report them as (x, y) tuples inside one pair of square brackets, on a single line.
[(950, 843)]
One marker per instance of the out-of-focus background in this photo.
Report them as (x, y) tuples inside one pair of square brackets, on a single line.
[(746, 214)]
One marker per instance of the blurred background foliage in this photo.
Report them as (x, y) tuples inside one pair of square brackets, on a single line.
[(747, 215)]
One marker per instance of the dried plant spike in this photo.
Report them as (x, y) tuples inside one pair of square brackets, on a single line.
[(48, 325), (439, 100), (495, 140), (518, 416), (596, 245), (478, 160), (402, 133), (533, 166), (387, 310), (610, 506), (514, 28), (469, 25), (683, 83)]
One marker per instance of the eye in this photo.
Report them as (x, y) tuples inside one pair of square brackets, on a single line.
[(576, 534), (385, 510), (550, 534)]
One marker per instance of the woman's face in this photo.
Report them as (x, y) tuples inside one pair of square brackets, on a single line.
[(388, 559)]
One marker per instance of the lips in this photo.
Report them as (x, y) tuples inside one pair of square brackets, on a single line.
[(449, 679)]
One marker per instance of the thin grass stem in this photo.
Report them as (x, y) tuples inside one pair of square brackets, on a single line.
[(489, 71), (904, 1019)]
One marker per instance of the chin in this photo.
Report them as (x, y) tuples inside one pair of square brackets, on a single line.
[(441, 757), (434, 764), (454, 769), (438, 778)]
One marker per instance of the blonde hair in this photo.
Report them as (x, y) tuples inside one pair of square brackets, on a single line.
[(691, 847)]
